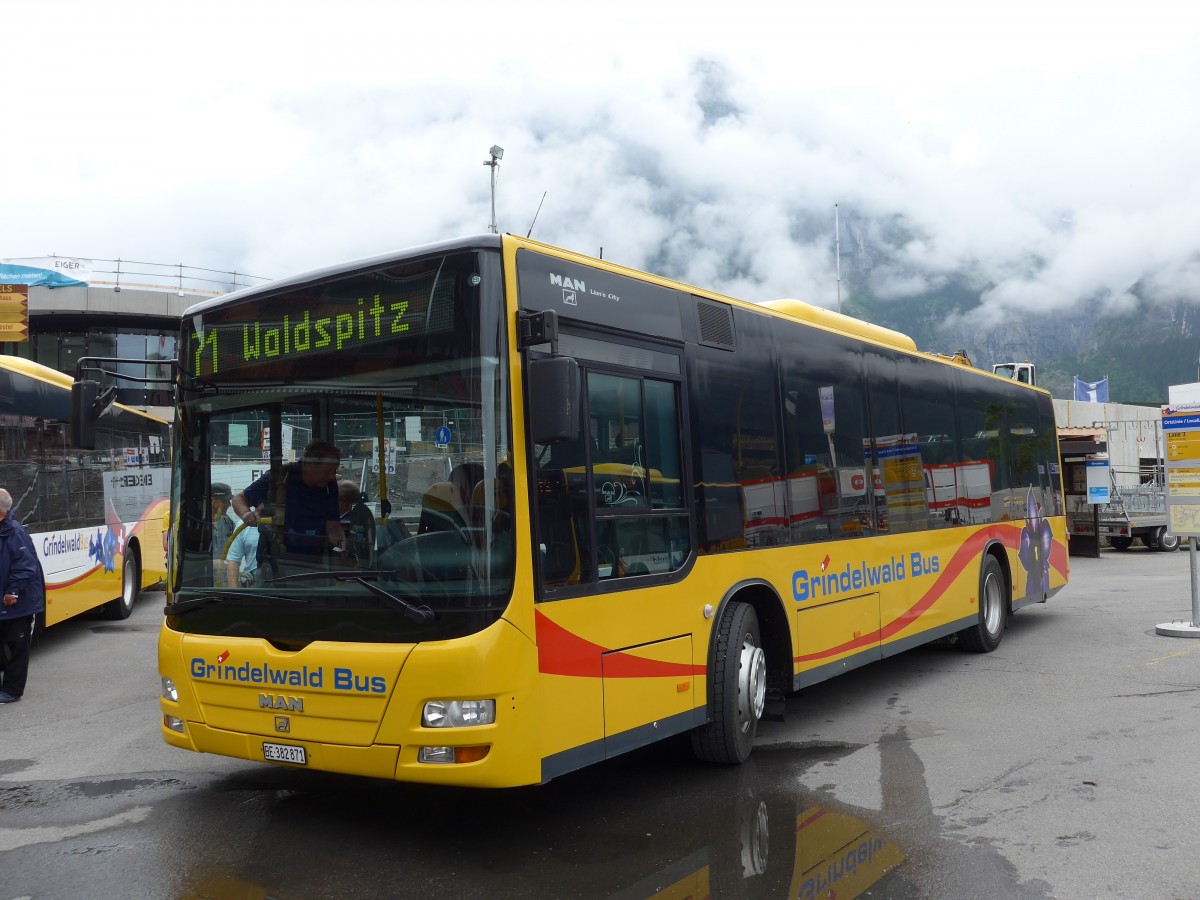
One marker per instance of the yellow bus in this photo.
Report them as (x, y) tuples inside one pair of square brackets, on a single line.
[(608, 508), (95, 515)]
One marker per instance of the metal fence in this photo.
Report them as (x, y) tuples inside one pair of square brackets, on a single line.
[(177, 277)]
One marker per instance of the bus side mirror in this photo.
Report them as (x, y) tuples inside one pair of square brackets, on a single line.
[(554, 400), (83, 414), (87, 405)]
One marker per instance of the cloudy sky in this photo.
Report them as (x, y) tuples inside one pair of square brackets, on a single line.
[(1051, 150)]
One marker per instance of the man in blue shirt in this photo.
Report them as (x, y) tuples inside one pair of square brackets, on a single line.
[(23, 587), (303, 507)]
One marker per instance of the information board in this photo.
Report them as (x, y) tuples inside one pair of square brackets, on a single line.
[(1181, 434), (1099, 484)]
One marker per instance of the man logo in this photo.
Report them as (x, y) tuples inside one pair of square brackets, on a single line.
[(567, 282), (283, 724), (278, 701)]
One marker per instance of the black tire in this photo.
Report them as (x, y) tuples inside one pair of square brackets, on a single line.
[(984, 636), (1120, 543), (1165, 541), (131, 585), (737, 689)]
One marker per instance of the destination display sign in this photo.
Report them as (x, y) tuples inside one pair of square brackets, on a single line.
[(321, 329)]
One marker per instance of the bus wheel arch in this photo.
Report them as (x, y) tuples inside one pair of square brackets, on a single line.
[(995, 603), (749, 655), (131, 584)]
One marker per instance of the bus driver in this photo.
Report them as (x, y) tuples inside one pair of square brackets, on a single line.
[(309, 501)]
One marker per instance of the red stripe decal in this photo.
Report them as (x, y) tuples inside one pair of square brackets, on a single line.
[(561, 652), (804, 823), (1008, 535)]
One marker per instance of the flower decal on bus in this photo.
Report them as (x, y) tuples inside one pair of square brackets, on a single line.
[(108, 544)]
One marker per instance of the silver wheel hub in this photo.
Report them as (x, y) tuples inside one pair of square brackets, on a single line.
[(752, 683), (992, 605)]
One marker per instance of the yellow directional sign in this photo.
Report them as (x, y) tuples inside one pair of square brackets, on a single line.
[(14, 312)]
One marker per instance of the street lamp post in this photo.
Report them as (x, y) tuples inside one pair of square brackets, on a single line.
[(497, 154)]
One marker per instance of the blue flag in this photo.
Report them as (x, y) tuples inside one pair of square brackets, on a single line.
[(1092, 391)]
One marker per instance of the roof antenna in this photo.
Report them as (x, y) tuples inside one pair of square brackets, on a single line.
[(535, 215)]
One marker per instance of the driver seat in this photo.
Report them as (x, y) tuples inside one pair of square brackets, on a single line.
[(441, 508)]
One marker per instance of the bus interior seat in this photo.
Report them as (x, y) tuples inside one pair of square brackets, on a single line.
[(441, 508), (466, 476), (476, 511)]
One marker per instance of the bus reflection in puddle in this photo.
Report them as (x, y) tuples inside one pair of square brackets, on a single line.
[(835, 854), (644, 826)]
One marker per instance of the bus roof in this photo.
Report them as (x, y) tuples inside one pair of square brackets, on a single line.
[(36, 370), (475, 242), (796, 309)]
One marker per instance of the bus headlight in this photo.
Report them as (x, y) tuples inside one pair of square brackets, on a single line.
[(169, 691), (458, 713)]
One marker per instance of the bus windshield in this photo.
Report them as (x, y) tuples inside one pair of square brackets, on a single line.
[(399, 367)]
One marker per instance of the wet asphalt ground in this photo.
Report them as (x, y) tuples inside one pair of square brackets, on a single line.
[(1065, 764)]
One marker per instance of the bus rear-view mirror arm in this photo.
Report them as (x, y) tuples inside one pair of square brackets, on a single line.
[(553, 385), (89, 401)]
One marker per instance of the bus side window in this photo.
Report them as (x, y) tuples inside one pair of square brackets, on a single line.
[(563, 524)]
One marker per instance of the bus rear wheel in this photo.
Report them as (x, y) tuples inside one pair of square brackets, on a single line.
[(131, 584), (1120, 543), (984, 636), (737, 689)]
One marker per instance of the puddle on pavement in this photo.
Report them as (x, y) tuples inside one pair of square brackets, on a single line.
[(650, 824)]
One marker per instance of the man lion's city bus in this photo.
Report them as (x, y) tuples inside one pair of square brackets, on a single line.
[(95, 515), (608, 508)]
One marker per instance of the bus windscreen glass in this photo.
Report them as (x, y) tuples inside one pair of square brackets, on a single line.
[(398, 367)]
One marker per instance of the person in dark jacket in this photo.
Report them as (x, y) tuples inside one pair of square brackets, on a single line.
[(23, 586)]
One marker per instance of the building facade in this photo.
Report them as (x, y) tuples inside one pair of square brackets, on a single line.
[(110, 308)]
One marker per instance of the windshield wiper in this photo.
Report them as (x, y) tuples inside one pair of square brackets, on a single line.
[(192, 603), (419, 614)]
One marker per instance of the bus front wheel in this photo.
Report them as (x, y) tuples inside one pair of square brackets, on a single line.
[(737, 689), (984, 636), (131, 584)]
